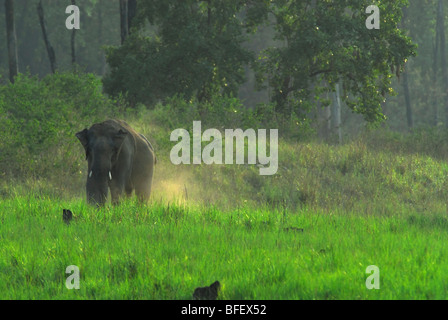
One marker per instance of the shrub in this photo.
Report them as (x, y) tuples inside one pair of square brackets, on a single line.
[(38, 116)]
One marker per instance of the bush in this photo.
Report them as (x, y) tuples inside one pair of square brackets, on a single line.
[(224, 111), (40, 117)]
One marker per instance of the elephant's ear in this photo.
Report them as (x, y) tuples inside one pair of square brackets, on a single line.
[(82, 136)]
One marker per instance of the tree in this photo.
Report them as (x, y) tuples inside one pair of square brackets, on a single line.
[(407, 95), (100, 36), (132, 12), (423, 71), (128, 11), (50, 50), (337, 112), (31, 49), (123, 20), (327, 41), (407, 98), (72, 42), (11, 40), (194, 49), (441, 31), (435, 67)]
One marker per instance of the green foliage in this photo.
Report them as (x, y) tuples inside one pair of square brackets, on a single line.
[(228, 112), (41, 116), (425, 77), (195, 52), (220, 112), (327, 42), (180, 32)]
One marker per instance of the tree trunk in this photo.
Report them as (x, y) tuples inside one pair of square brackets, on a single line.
[(443, 58), (50, 51), (123, 20), (73, 41), (132, 11), (128, 10), (11, 39), (100, 37), (435, 101), (209, 13), (281, 96), (407, 99), (407, 96), (337, 113), (327, 123)]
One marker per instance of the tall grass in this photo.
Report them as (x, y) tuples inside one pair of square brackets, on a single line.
[(164, 251)]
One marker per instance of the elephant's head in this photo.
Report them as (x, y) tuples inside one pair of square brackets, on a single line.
[(102, 146)]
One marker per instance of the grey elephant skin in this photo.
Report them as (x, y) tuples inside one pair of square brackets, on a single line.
[(119, 159)]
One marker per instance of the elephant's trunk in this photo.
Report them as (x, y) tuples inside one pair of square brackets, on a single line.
[(97, 186)]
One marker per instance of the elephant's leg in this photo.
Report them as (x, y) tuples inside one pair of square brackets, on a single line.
[(143, 187), (143, 192), (128, 190), (117, 188), (116, 193)]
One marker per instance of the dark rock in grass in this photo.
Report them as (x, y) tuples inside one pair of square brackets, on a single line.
[(207, 293), (294, 229), (67, 216)]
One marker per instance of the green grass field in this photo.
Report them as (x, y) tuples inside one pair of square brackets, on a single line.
[(379, 199), (164, 252), (168, 248)]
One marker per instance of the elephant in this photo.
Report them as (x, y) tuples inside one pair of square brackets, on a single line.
[(119, 159)]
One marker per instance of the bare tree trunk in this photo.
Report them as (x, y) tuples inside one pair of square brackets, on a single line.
[(51, 55), (123, 20), (209, 14), (327, 117), (337, 113), (132, 11), (100, 37), (407, 99), (435, 73), (128, 10), (324, 119), (73, 42), (11, 38), (407, 96), (443, 57)]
